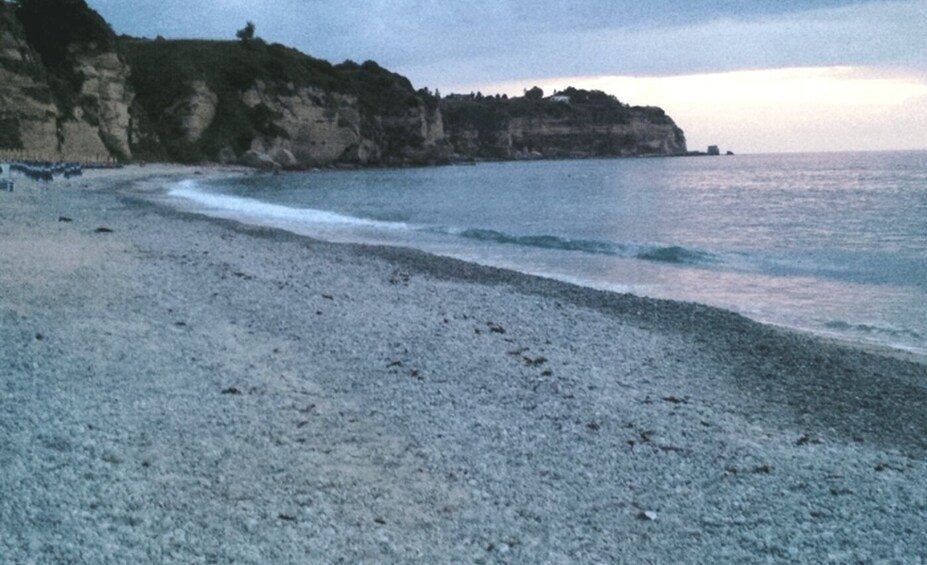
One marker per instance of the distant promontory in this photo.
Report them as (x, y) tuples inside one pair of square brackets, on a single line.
[(71, 89)]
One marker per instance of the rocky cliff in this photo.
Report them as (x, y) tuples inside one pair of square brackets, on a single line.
[(571, 124), (65, 91), (271, 106), (311, 127), (105, 98), (27, 110), (71, 89)]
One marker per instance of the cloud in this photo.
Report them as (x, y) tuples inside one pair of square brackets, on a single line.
[(885, 33), (439, 43)]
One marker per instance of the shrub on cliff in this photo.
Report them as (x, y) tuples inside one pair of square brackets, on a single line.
[(246, 33), (51, 26), (534, 93), (162, 72), (378, 90)]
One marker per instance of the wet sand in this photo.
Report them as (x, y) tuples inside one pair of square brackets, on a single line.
[(185, 389)]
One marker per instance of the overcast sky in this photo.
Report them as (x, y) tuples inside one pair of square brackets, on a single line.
[(860, 53)]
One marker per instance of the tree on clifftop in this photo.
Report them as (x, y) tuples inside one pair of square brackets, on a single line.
[(246, 33), (535, 93)]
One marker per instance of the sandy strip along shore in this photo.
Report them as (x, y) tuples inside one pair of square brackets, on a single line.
[(180, 389)]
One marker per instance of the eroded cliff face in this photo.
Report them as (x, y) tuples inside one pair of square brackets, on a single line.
[(97, 126), (556, 138), (105, 99), (196, 111), (551, 131), (27, 111), (80, 110), (307, 127), (416, 136)]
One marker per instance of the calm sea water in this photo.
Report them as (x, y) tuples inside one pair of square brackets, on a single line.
[(831, 243)]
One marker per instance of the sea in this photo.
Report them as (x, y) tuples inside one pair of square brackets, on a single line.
[(831, 243)]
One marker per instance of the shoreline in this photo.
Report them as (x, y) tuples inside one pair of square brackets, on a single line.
[(900, 352), (186, 388)]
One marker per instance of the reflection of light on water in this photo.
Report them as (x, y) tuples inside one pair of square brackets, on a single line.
[(805, 303), (801, 303)]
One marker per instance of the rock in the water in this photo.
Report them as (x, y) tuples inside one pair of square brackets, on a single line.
[(259, 161)]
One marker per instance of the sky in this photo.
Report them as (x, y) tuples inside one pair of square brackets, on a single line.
[(750, 76)]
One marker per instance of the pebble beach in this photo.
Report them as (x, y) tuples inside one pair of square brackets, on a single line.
[(182, 389)]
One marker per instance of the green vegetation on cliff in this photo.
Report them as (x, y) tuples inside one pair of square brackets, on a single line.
[(163, 72), (51, 27)]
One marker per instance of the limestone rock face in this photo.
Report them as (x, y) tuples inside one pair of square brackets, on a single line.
[(27, 111), (196, 111), (644, 132), (416, 136), (552, 138), (308, 127), (297, 127), (105, 100), (661, 140), (258, 160), (80, 141), (96, 128)]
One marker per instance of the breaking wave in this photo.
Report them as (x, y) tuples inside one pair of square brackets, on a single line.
[(676, 254), (237, 206), (662, 254), (871, 329)]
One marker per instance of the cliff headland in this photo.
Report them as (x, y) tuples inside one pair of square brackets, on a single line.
[(72, 89)]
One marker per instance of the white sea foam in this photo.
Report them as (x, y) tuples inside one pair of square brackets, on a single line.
[(265, 213)]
